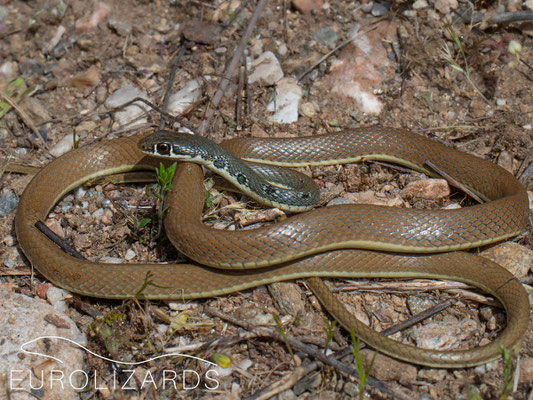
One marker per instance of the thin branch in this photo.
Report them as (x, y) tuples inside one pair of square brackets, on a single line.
[(346, 369), (285, 383), (231, 67), (57, 240), (171, 79), (486, 19), (26, 119)]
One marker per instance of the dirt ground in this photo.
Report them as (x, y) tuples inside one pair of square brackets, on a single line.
[(487, 112)]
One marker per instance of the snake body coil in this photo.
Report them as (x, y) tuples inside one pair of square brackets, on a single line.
[(319, 243)]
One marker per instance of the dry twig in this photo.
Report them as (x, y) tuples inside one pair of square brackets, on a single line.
[(346, 369), (231, 67)]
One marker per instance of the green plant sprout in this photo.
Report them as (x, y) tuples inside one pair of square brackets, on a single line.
[(359, 364)]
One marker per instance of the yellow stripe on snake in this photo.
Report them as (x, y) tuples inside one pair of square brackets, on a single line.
[(339, 241)]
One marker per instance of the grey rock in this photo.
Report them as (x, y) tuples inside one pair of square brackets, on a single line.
[(131, 112), (8, 202), (63, 146), (120, 26), (326, 36), (24, 319), (191, 93), (419, 304), (103, 202), (379, 9), (351, 389), (287, 102), (266, 70)]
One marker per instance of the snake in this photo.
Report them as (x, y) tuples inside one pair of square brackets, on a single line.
[(347, 240)]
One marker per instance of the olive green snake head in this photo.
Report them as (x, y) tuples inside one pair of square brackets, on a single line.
[(352, 241)]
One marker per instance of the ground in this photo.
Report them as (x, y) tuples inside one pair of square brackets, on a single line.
[(478, 101)]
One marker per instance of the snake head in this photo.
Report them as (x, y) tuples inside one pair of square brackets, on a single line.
[(174, 145)]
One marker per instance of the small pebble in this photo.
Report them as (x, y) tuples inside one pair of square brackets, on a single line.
[(367, 7), (351, 389), (480, 370), (486, 313), (107, 218), (103, 202), (8, 202), (491, 323), (130, 255), (379, 9), (56, 297), (66, 207), (10, 240), (313, 74), (420, 4), (63, 146), (326, 36), (98, 213), (80, 192), (282, 50), (308, 110)]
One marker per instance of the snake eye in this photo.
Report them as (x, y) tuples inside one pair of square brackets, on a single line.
[(163, 148)]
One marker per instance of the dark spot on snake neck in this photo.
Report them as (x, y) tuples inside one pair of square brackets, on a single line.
[(219, 164), (241, 179), (269, 189)]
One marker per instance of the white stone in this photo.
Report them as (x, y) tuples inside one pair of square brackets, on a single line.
[(266, 70), (528, 4), (308, 110), (63, 146), (286, 102), (57, 298), (23, 320), (130, 255), (131, 112), (9, 69), (420, 4), (190, 94), (282, 50)]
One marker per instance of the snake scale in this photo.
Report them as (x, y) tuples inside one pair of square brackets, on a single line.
[(338, 241)]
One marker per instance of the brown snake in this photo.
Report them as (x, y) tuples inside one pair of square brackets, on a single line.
[(325, 242)]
